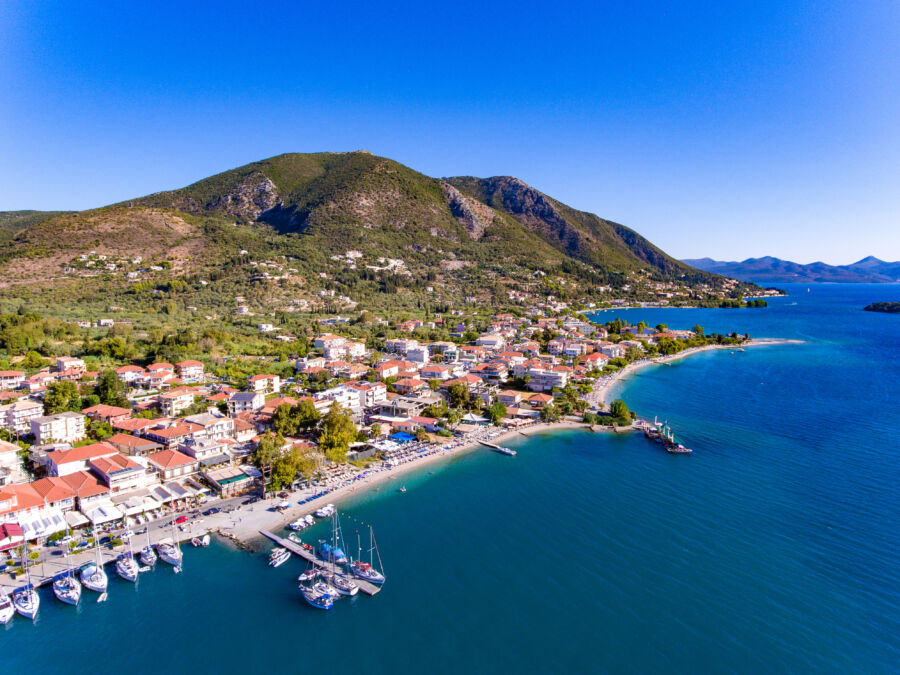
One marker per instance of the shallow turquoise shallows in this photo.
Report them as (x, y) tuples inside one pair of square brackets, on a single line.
[(773, 548)]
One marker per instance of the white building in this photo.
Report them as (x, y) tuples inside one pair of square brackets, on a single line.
[(67, 427)]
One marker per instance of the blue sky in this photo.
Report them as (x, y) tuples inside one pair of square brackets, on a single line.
[(724, 129)]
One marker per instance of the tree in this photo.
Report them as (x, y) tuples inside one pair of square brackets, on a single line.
[(661, 328), (284, 421), (338, 432), (306, 415), (33, 361), (62, 396), (111, 389), (698, 329), (100, 430), (550, 413), (618, 409), (459, 394), (268, 449), (376, 430), (497, 412), (421, 434)]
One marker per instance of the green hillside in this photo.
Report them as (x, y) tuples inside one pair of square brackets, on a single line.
[(301, 227)]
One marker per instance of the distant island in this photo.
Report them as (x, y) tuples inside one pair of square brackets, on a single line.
[(774, 270), (884, 307)]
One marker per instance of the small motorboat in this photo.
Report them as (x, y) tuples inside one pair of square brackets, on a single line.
[(403, 489), (294, 538), (278, 557), (196, 542), (326, 511)]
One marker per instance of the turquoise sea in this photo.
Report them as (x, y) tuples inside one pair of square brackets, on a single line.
[(773, 548)]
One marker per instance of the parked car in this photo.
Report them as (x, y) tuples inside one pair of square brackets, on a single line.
[(181, 519)]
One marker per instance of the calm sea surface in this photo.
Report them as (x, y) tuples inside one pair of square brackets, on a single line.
[(773, 548)]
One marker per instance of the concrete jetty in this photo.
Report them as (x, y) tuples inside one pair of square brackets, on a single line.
[(365, 586)]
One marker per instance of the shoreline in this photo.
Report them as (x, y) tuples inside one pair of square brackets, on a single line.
[(601, 393), (245, 532)]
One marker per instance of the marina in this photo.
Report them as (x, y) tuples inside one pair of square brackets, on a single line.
[(310, 556)]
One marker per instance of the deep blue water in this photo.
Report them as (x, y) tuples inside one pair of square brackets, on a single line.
[(773, 548)]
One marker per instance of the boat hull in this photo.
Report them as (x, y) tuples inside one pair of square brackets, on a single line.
[(94, 579), (27, 604)]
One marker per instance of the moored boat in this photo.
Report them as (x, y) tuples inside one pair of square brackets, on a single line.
[(278, 557), (326, 511), (67, 588), (93, 576), (27, 601), (316, 599), (342, 584), (148, 555), (7, 609), (127, 567), (366, 570)]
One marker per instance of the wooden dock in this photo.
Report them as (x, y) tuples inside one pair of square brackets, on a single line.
[(365, 586), (499, 448)]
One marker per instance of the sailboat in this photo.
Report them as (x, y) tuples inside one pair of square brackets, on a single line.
[(340, 583), (126, 565), (316, 596), (93, 576), (169, 551), (66, 587), (366, 570), (26, 599), (7, 610), (148, 555)]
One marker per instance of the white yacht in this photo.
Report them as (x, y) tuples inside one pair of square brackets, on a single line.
[(127, 567), (326, 511), (7, 610), (169, 552), (27, 601), (148, 555), (278, 557), (94, 578), (342, 585), (67, 588)]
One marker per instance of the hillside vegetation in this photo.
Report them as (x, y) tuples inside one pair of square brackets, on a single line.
[(355, 227)]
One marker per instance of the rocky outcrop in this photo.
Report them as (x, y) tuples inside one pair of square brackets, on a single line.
[(474, 216)]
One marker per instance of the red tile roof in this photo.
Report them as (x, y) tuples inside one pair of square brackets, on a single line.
[(169, 459)]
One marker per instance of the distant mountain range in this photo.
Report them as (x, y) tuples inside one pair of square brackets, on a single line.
[(774, 270)]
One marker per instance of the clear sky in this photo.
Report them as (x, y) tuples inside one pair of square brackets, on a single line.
[(722, 129)]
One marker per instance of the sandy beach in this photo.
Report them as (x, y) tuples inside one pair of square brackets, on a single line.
[(243, 525)]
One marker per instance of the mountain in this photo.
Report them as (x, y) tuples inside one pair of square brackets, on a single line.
[(774, 270), (352, 223)]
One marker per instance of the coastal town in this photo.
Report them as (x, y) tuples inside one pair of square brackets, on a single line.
[(176, 443)]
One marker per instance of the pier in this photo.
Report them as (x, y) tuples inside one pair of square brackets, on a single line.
[(499, 448), (365, 586)]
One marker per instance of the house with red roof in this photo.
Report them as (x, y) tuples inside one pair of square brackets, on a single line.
[(119, 472), (107, 413), (264, 384), (190, 370), (63, 462), (173, 464)]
